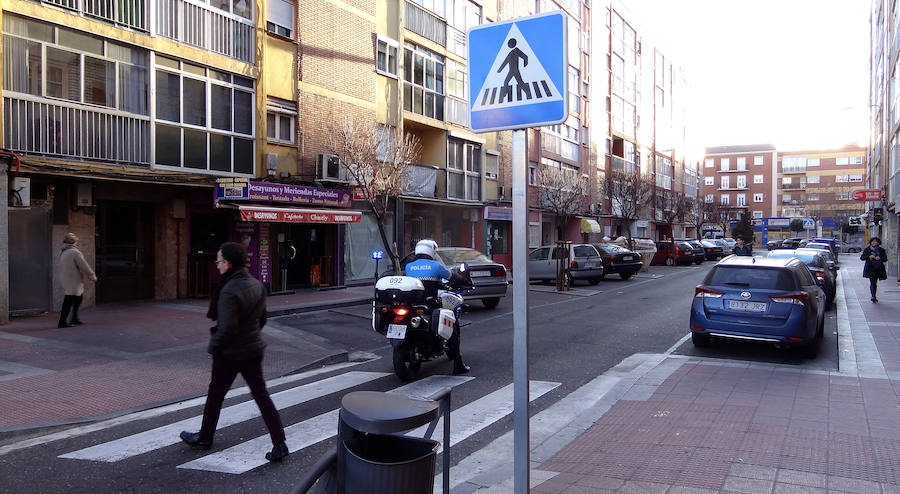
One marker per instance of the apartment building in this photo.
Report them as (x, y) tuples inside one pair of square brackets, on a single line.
[(883, 155), (642, 128), (123, 116), (819, 185), (742, 179)]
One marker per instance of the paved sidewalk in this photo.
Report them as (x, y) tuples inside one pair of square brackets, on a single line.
[(133, 356), (699, 425)]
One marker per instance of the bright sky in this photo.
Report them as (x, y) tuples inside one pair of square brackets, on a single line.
[(793, 73)]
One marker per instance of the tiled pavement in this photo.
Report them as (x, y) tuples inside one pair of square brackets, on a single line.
[(136, 355), (701, 425)]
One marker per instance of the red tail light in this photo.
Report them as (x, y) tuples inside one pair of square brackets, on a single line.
[(573, 264), (702, 292), (401, 311), (796, 298), (499, 272)]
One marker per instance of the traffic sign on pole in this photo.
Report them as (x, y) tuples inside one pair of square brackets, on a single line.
[(517, 73), (809, 224)]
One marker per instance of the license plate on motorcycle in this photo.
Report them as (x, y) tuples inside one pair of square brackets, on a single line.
[(396, 331)]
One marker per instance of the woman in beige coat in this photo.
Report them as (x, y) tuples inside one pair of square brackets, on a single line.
[(72, 270)]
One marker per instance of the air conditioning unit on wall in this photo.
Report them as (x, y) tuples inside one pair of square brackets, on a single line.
[(329, 167)]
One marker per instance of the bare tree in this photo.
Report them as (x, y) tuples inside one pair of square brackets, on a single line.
[(628, 193), (376, 161), (671, 207), (561, 194), (699, 213), (722, 214)]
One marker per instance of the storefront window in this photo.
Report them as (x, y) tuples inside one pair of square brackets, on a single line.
[(359, 242)]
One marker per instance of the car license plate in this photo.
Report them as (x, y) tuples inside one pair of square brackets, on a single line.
[(480, 274), (747, 306), (590, 264), (396, 331), (627, 258)]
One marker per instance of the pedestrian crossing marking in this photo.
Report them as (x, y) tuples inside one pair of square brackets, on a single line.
[(509, 85), (477, 415), (167, 435), (248, 455)]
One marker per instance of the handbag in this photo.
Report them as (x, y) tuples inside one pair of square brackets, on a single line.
[(877, 269)]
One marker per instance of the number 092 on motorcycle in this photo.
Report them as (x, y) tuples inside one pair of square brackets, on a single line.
[(397, 331)]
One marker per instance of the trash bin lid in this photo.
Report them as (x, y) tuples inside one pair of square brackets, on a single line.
[(379, 413)]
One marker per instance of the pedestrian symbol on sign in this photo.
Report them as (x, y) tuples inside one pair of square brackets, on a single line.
[(532, 84)]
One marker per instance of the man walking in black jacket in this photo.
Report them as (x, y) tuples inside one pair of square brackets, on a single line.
[(238, 305), (742, 249)]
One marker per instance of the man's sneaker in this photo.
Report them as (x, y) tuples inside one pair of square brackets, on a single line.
[(279, 451), (193, 440)]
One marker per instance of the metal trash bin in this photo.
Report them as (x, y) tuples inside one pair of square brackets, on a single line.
[(388, 464)]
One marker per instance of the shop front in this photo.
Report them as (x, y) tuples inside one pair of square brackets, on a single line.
[(291, 243)]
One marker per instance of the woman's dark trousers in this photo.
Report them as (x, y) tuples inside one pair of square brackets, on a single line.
[(873, 286), (223, 373), (70, 302)]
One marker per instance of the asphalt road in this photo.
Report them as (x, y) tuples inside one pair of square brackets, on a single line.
[(573, 338)]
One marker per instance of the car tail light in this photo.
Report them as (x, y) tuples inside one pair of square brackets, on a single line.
[(499, 272), (697, 329), (573, 264), (401, 311), (701, 292), (794, 338), (796, 298), (819, 274)]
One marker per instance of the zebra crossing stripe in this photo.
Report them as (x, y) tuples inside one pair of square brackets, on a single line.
[(167, 435), (471, 418), (249, 455)]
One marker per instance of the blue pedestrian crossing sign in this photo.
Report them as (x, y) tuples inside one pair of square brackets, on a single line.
[(809, 224), (517, 73)]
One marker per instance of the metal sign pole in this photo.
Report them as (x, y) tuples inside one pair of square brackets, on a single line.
[(520, 313)]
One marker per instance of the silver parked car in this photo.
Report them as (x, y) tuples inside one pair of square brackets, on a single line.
[(585, 263)]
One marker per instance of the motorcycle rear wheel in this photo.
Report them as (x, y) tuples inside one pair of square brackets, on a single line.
[(406, 366)]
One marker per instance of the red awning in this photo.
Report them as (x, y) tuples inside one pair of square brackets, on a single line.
[(298, 215)]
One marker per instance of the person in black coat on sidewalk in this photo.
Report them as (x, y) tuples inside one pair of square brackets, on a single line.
[(874, 268), (238, 305), (742, 249)]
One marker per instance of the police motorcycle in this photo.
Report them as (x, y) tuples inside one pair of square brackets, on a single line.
[(417, 326)]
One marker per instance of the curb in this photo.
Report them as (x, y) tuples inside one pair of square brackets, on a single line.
[(313, 307)]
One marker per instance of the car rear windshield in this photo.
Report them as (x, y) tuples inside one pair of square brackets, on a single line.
[(807, 257), (759, 277), (584, 251), (456, 256), (613, 249)]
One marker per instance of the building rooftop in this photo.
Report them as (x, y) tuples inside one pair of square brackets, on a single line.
[(747, 148)]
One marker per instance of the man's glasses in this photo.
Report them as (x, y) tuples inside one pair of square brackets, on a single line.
[(218, 261)]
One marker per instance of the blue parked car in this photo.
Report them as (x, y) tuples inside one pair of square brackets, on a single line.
[(760, 299)]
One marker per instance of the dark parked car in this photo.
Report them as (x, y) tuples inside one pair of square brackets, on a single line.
[(773, 244), (669, 254), (712, 250), (620, 260), (825, 249), (832, 242), (791, 243), (699, 252), (760, 299), (488, 277), (824, 273)]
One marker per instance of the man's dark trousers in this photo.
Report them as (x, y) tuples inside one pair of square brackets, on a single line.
[(223, 373)]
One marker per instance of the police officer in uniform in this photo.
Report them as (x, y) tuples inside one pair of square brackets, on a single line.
[(431, 273)]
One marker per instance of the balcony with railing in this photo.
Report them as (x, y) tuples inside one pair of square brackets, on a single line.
[(200, 25), (793, 168), (125, 13), (794, 185), (424, 23), (620, 165), (57, 128), (457, 111)]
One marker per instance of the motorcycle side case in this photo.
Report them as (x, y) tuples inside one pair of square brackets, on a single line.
[(442, 322), (449, 300)]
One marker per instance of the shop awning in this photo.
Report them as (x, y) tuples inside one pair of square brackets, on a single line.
[(298, 215), (590, 226)]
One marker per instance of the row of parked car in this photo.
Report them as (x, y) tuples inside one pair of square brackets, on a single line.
[(691, 251), (797, 242)]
